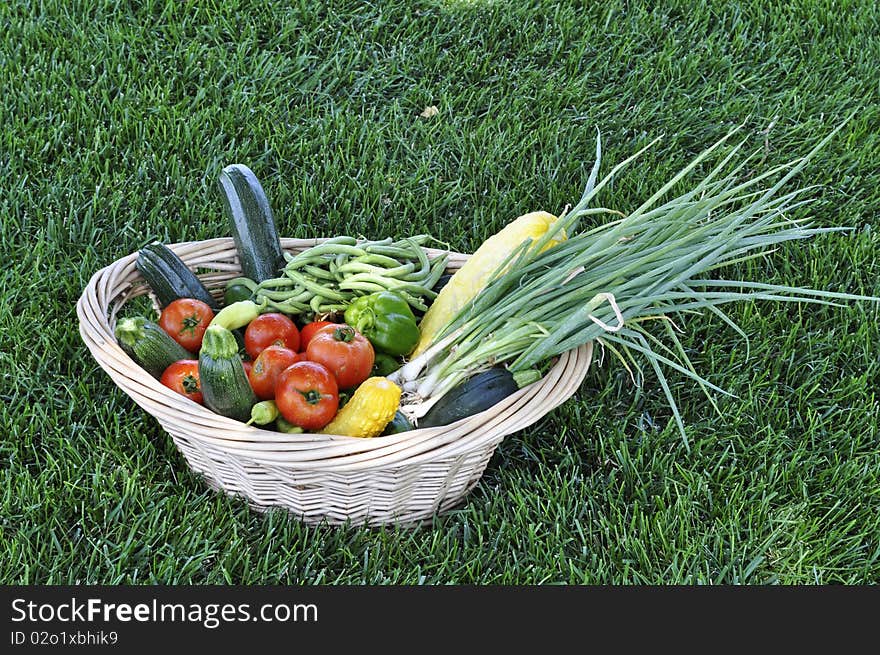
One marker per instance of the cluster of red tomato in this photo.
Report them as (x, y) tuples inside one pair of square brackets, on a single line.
[(302, 370)]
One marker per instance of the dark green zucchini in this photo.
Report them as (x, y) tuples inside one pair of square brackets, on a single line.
[(400, 423), (225, 386), (442, 282), (253, 226), (149, 345), (471, 397), (169, 277)]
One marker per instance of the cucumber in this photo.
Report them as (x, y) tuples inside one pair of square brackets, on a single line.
[(472, 396), (225, 387), (252, 224), (169, 277), (149, 345)]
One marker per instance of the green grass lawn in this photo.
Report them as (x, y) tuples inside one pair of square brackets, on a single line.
[(115, 122)]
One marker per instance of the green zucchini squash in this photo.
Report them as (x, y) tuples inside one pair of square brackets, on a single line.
[(225, 386), (252, 223), (441, 282), (400, 423), (472, 396), (169, 277), (149, 345)]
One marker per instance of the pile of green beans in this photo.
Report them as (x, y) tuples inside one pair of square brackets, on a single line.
[(326, 278)]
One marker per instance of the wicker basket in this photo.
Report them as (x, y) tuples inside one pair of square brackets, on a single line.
[(403, 478)]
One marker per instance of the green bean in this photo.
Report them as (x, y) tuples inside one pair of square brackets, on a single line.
[(425, 265), (331, 308), (362, 285), (287, 307), (244, 281), (375, 242), (356, 266), (344, 240), (274, 283), (417, 289), (438, 267), (286, 296), (396, 252), (372, 278), (317, 250), (335, 264), (327, 277), (379, 260), (314, 287), (413, 301), (318, 272), (408, 248), (327, 249)]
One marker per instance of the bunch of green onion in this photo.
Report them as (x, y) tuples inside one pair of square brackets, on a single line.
[(611, 283)]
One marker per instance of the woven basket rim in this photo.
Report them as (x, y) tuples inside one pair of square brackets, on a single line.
[(216, 260)]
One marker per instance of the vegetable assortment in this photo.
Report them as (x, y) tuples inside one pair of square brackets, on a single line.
[(328, 340), (277, 352)]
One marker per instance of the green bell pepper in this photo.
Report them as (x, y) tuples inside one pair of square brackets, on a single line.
[(384, 364), (386, 320), (237, 290)]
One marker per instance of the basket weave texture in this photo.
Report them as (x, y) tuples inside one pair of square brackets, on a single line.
[(403, 478)]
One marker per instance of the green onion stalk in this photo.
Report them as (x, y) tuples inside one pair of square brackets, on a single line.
[(609, 284)]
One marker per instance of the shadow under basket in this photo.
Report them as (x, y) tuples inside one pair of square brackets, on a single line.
[(404, 478)]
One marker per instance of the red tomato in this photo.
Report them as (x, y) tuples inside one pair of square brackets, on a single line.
[(344, 351), (308, 331), (267, 366), (307, 395), (301, 357), (248, 367), (183, 377), (272, 329), (186, 320)]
